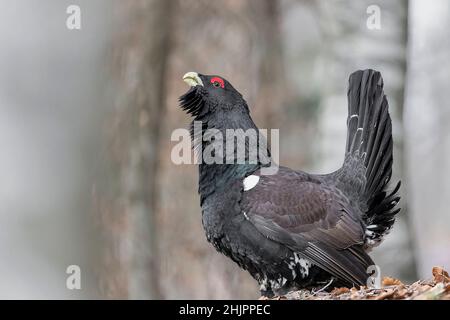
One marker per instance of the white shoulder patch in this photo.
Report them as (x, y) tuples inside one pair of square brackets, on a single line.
[(250, 182)]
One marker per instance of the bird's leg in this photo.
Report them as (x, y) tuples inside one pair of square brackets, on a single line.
[(266, 289)]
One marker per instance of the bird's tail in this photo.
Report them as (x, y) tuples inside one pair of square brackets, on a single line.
[(368, 160)]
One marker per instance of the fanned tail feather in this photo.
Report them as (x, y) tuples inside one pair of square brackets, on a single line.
[(368, 161)]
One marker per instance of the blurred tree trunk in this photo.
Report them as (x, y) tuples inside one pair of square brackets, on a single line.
[(427, 118), (350, 45), (128, 192), (266, 18)]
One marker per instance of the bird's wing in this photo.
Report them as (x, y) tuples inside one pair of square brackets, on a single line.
[(312, 219)]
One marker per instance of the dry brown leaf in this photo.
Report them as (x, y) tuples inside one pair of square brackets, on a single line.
[(433, 293), (388, 281), (339, 291), (447, 287), (440, 275), (439, 288), (424, 288), (385, 295), (402, 293)]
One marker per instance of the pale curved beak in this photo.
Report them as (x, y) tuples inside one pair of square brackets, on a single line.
[(192, 79)]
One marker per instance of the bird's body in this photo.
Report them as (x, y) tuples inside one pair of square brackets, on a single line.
[(292, 229)]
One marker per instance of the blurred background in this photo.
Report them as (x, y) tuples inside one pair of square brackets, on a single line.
[(86, 117)]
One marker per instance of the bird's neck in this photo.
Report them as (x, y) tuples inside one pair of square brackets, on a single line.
[(231, 149), (218, 177)]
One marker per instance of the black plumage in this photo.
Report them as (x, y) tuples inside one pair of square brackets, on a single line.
[(293, 229)]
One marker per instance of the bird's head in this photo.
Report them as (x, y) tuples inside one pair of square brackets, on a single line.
[(217, 105), (210, 94)]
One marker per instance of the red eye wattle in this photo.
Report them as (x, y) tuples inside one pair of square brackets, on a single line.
[(218, 82)]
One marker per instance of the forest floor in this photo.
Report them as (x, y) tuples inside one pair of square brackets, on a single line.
[(437, 288)]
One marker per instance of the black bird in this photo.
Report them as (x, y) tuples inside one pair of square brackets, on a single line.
[(293, 229)]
